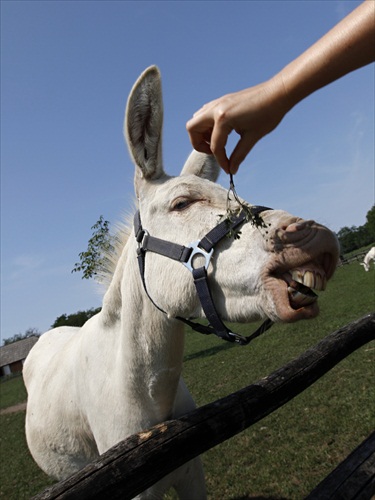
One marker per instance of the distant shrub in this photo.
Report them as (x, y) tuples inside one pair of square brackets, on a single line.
[(76, 319)]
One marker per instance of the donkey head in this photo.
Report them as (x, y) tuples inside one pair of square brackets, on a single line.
[(266, 272)]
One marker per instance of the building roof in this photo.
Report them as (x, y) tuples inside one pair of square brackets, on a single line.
[(16, 351)]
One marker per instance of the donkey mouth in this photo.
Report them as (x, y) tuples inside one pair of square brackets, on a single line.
[(301, 282)]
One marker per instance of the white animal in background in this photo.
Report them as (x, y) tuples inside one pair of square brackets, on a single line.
[(91, 387), (370, 256)]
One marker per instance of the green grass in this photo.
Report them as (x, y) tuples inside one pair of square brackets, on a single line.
[(12, 391), (286, 454), (20, 477)]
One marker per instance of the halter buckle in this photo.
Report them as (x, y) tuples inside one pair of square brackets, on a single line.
[(141, 238), (239, 339), (197, 250)]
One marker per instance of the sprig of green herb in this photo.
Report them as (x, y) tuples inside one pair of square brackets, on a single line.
[(241, 206)]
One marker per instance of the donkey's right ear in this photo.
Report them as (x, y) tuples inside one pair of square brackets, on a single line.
[(143, 125)]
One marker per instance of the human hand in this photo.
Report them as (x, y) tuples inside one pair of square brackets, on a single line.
[(256, 111), (252, 113)]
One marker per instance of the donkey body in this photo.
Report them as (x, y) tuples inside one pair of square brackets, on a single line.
[(91, 387), (370, 256)]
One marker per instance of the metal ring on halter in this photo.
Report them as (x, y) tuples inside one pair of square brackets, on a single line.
[(195, 251)]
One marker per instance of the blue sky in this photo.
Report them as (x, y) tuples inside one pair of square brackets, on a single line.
[(66, 70)]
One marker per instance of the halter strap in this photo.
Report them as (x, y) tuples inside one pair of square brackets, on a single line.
[(185, 255)]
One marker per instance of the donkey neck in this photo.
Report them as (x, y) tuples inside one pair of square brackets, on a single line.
[(149, 344)]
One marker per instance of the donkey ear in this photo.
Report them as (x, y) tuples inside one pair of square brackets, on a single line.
[(201, 165), (143, 124)]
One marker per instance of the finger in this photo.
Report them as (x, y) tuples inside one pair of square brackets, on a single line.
[(239, 153), (205, 108), (203, 147), (201, 118), (200, 124), (219, 139), (200, 141)]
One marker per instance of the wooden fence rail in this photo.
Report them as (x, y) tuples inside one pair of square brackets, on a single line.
[(354, 478), (356, 257), (139, 461)]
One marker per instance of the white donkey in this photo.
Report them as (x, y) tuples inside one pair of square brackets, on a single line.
[(370, 256), (91, 387)]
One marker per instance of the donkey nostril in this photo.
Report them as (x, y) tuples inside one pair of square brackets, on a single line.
[(298, 226)]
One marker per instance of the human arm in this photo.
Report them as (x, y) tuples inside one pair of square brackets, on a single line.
[(256, 111)]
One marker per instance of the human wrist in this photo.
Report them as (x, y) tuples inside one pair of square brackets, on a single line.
[(282, 97)]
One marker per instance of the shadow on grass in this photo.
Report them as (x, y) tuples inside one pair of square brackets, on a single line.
[(210, 352)]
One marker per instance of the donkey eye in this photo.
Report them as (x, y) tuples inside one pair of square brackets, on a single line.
[(182, 204)]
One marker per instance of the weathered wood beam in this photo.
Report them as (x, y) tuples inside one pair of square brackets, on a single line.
[(354, 478), (139, 461)]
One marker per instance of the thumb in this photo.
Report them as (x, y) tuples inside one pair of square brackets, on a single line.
[(242, 149)]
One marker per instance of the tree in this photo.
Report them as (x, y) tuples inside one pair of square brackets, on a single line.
[(30, 332), (370, 224), (346, 237), (353, 238), (93, 259), (76, 319)]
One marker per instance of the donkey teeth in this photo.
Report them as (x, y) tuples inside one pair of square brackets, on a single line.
[(298, 299), (310, 279)]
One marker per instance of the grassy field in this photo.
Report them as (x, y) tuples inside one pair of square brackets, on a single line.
[(12, 392), (285, 455)]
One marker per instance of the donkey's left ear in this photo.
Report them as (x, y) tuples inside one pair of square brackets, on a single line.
[(201, 165), (143, 124)]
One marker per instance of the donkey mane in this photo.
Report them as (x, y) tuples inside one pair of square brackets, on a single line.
[(110, 257)]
